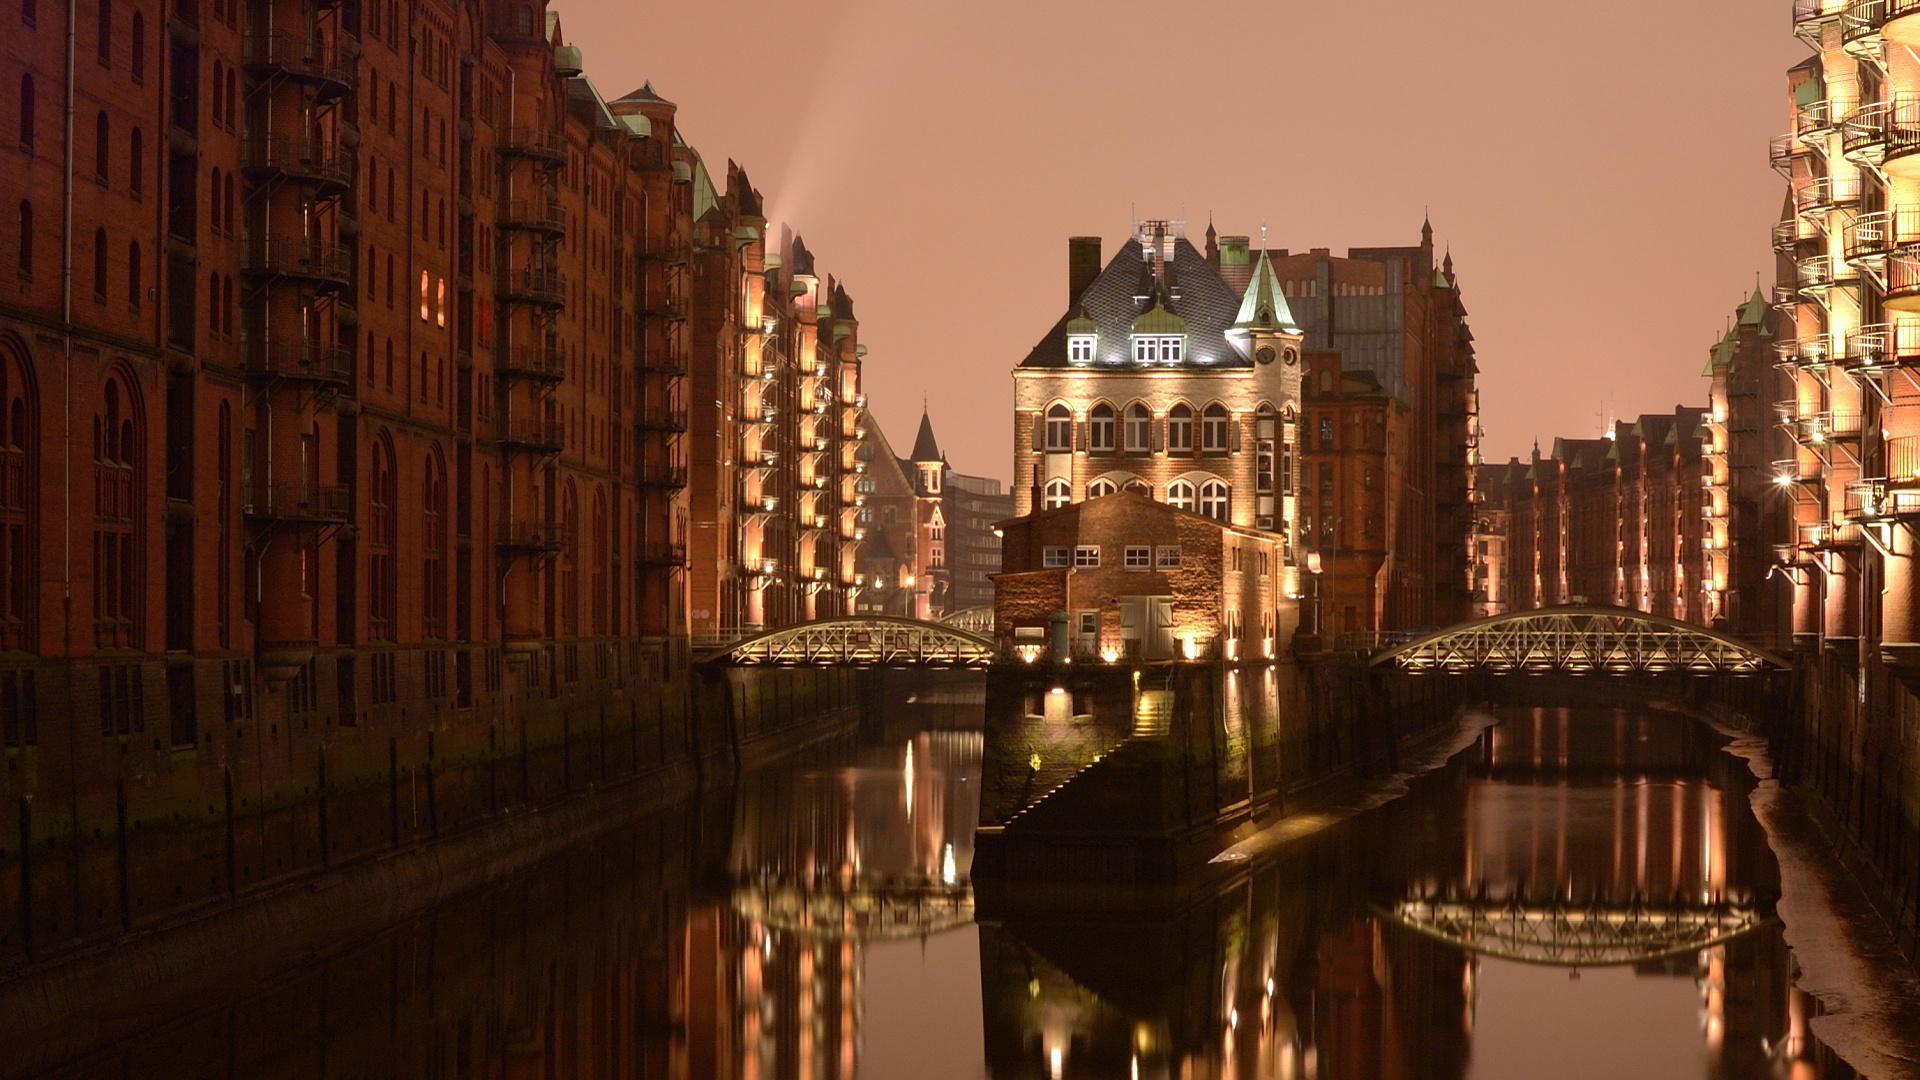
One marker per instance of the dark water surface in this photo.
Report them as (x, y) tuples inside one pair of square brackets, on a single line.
[(816, 923)]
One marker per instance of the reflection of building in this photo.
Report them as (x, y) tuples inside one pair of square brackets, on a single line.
[(1141, 579), (928, 548)]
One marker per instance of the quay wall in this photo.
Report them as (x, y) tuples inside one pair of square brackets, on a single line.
[(106, 839)]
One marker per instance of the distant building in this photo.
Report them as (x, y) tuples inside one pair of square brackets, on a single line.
[(928, 548), (1752, 518), (1352, 488), (1139, 579)]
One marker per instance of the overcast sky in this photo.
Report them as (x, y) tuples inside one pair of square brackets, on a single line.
[(1598, 170)]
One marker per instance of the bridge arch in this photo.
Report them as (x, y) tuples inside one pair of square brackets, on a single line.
[(1580, 640), (1558, 933), (862, 641)]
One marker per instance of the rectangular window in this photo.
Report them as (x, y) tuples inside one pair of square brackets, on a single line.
[(1053, 557), (1080, 350), (1143, 350), (1139, 558), (1087, 555), (1169, 557)]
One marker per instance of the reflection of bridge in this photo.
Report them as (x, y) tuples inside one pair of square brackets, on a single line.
[(1580, 640), (1571, 934), (865, 641), (869, 911)]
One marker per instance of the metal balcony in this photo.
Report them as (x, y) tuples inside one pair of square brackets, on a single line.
[(536, 363), (1879, 347), (662, 555), (545, 216), (1823, 428), (668, 250), (540, 144), (1900, 22), (671, 477), (328, 366), (666, 309), (1786, 236), (317, 62), (537, 287), (297, 502), (1821, 272), (1812, 17), (1829, 535), (325, 170), (1860, 29), (1782, 150), (1814, 121), (532, 537), (672, 421), (1823, 193), (662, 364), (1786, 298), (1902, 280), (533, 436), (326, 265), (1879, 500)]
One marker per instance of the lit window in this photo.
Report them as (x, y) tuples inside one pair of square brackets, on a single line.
[(1086, 555), (426, 294), (1169, 557), (1139, 558), (1059, 494), (1180, 430), (1100, 487), (1100, 427), (1180, 495), (1053, 558), (1139, 428), (1144, 349), (1080, 348), (1059, 428), (1213, 429)]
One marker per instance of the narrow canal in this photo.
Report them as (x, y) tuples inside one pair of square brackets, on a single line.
[(1578, 893)]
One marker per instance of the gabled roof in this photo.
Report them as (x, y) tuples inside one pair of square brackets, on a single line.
[(925, 448), (646, 96), (1754, 311), (1264, 306), (1125, 290)]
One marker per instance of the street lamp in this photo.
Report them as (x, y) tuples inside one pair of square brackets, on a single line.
[(1313, 571)]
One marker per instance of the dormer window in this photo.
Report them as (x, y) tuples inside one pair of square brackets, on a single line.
[(1158, 348), (1080, 348)]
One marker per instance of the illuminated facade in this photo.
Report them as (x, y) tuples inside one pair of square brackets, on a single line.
[(1750, 425), (927, 544)]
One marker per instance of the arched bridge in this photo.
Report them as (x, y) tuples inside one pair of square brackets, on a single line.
[(870, 910), (865, 641), (1567, 934), (1580, 640)]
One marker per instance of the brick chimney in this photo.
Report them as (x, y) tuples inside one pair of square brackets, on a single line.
[(1083, 265)]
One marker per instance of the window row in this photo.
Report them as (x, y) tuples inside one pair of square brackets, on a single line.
[(1137, 431), (1212, 498), (1133, 557)]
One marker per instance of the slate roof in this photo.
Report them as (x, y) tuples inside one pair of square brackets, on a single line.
[(1125, 290), (924, 446)]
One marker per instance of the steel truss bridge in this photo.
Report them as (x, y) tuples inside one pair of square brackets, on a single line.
[(868, 911), (1573, 934), (1580, 640), (866, 641)]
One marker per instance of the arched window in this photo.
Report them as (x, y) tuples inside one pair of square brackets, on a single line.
[(104, 45), (1059, 493), (26, 238), (1137, 486), (19, 484), (26, 113), (136, 166), (600, 563), (524, 20), (101, 147), (100, 265), (1059, 428), (139, 47), (1213, 429), (1326, 380), (569, 560), (1139, 428), (1180, 430), (1180, 495), (433, 549), (382, 520), (1216, 500), (118, 568), (1102, 486), (1100, 428), (133, 274)]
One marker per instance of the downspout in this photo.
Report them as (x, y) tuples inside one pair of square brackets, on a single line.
[(66, 327)]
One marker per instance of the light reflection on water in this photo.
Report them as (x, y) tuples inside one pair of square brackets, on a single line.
[(816, 923)]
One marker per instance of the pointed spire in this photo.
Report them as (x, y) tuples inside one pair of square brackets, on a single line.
[(1264, 305), (925, 448), (1426, 230)]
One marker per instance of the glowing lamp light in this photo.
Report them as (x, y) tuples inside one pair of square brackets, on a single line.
[(1190, 647), (1110, 655), (1783, 480), (1028, 653), (1058, 690)]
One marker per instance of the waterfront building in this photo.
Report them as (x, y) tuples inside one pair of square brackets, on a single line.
[(778, 477), (1140, 579), (928, 547), (1750, 421), (1179, 374)]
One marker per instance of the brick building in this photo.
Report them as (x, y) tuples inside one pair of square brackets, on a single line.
[(928, 547), (1144, 580), (1620, 521), (1751, 517), (1179, 374)]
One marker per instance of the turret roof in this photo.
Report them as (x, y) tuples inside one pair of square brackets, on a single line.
[(925, 448), (1264, 305)]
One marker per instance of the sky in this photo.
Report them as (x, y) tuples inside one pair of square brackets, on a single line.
[(1597, 170)]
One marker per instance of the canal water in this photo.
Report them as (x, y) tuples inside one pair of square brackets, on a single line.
[(1578, 893)]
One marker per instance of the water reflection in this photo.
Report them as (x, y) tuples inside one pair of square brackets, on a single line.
[(1582, 893)]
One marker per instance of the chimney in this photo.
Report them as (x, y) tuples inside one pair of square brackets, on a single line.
[(1083, 265), (1033, 493)]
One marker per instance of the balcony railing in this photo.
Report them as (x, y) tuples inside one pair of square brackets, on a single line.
[(1903, 280), (1813, 119), (316, 61), (536, 362), (1821, 272), (1820, 429), (539, 436), (1807, 353), (298, 159), (1877, 500), (1860, 25), (1829, 535), (662, 555), (326, 264), (532, 536), (1809, 16), (1824, 192), (297, 502), (537, 143), (1786, 298), (672, 477), (544, 215), (1881, 346), (299, 361), (1782, 149), (1881, 232), (534, 287)]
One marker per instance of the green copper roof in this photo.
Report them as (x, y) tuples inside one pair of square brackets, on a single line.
[(1158, 320), (1754, 311), (1080, 324), (1811, 92), (1264, 306)]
